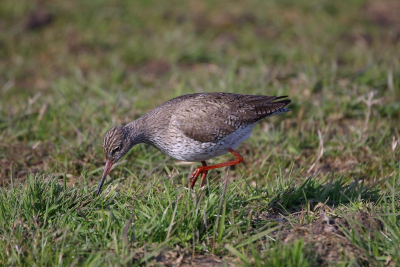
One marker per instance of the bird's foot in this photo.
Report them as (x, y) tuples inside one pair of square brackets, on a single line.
[(200, 170), (193, 177)]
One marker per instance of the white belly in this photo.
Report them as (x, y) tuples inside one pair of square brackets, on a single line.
[(186, 149)]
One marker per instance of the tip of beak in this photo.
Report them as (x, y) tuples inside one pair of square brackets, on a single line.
[(98, 191), (100, 186), (107, 168)]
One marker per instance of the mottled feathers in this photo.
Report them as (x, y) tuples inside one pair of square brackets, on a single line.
[(212, 116)]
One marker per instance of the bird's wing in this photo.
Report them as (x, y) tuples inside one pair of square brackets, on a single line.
[(210, 117)]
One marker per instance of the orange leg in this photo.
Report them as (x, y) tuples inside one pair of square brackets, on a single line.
[(204, 170), (203, 177)]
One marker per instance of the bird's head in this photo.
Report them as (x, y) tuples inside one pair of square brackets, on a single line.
[(116, 144)]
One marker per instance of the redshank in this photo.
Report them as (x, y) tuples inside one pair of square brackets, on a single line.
[(194, 127)]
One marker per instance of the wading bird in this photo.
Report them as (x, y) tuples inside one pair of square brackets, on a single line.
[(194, 127)]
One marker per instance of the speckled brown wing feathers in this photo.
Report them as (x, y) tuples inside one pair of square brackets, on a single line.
[(210, 117)]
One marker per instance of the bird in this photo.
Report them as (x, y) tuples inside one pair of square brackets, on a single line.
[(194, 128)]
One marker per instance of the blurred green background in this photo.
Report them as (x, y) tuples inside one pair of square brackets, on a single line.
[(69, 70)]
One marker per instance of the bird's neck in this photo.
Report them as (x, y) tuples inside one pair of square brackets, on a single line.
[(136, 131), (147, 129)]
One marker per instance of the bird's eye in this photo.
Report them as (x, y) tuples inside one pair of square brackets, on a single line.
[(116, 149)]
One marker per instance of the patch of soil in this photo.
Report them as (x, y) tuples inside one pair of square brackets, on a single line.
[(224, 39), (384, 13), (338, 165), (173, 258), (183, 257), (38, 19), (155, 68), (19, 160), (360, 39), (267, 32), (177, 18), (326, 236)]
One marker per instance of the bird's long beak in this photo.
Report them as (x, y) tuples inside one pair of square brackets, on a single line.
[(107, 168)]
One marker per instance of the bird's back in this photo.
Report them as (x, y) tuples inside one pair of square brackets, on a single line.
[(210, 117)]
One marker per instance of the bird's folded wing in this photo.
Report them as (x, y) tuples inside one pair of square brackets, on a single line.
[(209, 118)]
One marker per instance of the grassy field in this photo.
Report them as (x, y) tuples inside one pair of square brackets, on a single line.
[(319, 186)]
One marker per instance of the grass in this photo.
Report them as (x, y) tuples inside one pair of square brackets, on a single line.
[(319, 185)]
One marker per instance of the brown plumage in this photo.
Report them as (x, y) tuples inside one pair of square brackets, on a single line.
[(194, 127)]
